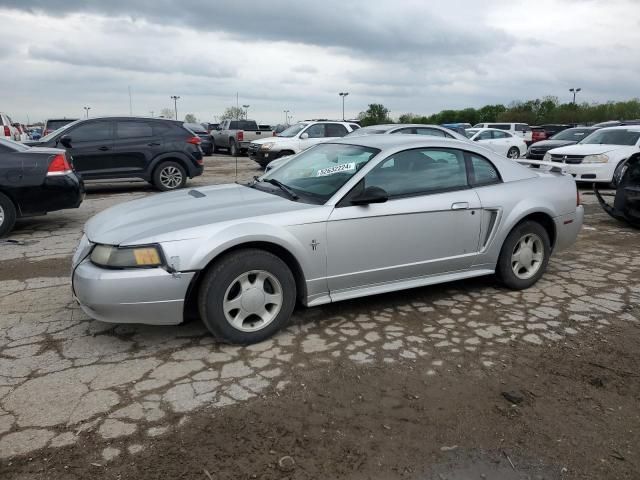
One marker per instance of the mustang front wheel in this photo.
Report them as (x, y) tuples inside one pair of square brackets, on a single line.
[(247, 296)]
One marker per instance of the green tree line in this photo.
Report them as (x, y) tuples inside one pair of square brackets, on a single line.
[(532, 112)]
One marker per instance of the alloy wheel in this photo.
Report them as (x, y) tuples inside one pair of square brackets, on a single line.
[(527, 256), (513, 153), (253, 300), (170, 177)]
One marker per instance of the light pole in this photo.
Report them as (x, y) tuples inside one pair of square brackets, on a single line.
[(343, 95), (151, 112), (175, 104), (574, 91), (286, 117), (86, 111), (246, 111)]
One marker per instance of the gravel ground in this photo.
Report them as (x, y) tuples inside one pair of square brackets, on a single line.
[(405, 385)]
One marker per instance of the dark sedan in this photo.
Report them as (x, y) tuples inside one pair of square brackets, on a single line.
[(570, 136), (205, 138), (34, 181)]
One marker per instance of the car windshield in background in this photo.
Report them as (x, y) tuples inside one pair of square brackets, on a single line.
[(470, 132), (612, 137), (195, 127), (55, 132), (293, 130), (243, 125), (15, 146), (318, 173), (368, 131), (574, 134)]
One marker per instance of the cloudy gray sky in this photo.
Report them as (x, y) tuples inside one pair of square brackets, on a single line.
[(57, 56)]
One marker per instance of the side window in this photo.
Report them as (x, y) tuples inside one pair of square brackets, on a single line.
[(160, 129), (133, 130), (4, 148), (335, 130), (483, 171), (316, 131), (486, 135), (354, 126), (430, 131), (500, 126), (419, 172), (501, 135), (91, 132), (405, 131)]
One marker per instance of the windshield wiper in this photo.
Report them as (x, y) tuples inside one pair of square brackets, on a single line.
[(292, 195)]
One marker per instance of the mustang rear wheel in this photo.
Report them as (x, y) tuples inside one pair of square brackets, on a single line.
[(514, 152), (7, 215), (247, 296), (524, 255)]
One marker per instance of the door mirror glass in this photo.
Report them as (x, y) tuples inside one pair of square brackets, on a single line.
[(304, 136), (371, 195), (65, 140)]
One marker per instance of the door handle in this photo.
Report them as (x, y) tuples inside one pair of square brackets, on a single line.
[(460, 206), (103, 149), (153, 144)]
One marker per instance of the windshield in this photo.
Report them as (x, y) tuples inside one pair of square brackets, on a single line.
[(612, 137), (470, 132), (368, 131), (56, 132), (293, 130), (319, 172), (573, 134)]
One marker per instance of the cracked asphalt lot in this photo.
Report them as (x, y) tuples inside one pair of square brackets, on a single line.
[(83, 399)]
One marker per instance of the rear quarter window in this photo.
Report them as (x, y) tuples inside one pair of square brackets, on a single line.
[(133, 130), (483, 172)]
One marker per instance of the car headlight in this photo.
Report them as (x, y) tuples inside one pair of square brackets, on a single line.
[(547, 157), (127, 257), (601, 158), (266, 146)]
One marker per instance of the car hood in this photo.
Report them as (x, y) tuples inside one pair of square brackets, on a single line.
[(553, 143), (276, 140), (590, 149), (178, 213)]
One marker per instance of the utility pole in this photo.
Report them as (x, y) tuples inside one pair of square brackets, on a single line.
[(574, 91), (86, 111), (175, 104), (286, 117), (130, 102), (343, 95), (246, 111), (151, 112)]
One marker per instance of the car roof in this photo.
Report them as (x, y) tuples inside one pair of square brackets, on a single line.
[(486, 129), (633, 128), (399, 140)]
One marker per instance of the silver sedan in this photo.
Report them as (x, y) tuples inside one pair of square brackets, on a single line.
[(354, 217)]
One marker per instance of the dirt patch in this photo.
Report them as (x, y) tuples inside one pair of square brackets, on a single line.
[(576, 417), (20, 269)]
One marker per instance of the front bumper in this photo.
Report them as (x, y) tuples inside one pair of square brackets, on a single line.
[(263, 158), (590, 172), (151, 296)]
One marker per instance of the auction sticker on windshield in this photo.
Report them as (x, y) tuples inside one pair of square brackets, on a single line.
[(345, 167)]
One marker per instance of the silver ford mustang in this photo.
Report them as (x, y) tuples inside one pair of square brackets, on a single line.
[(355, 217)]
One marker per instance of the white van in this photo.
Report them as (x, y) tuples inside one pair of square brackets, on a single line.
[(520, 129), (7, 130)]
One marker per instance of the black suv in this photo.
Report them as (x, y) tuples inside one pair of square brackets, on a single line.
[(159, 151)]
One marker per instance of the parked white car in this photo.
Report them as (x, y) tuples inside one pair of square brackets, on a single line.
[(520, 129), (596, 157), (298, 138), (7, 130), (500, 141)]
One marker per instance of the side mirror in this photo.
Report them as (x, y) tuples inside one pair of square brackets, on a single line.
[(370, 195), (65, 140), (304, 136)]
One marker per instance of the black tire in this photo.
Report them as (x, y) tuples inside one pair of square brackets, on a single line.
[(233, 148), (169, 176), (7, 215), (514, 152), (214, 147), (505, 269), (221, 279)]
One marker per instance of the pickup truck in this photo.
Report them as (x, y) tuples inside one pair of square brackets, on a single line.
[(236, 135)]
